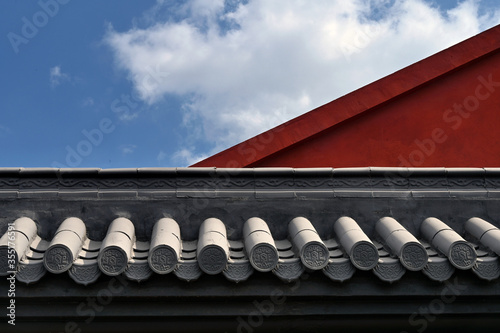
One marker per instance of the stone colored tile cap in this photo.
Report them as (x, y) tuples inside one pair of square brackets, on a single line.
[(361, 250), (312, 251), (165, 250), (213, 249), (65, 245), (402, 243), (461, 254), (116, 248), (259, 245)]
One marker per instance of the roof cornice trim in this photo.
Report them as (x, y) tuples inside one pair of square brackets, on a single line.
[(158, 183)]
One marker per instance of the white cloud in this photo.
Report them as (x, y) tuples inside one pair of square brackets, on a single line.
[(89, 101), (186, 156), (161, 156), (128, 116), (4, 130), (127, 149), (255, 65), (57, 76)]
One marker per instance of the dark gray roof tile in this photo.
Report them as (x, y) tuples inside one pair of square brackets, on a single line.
[(163, 172), (113, 194), (77, 194), (125, 172), (9, 194), (188, 270), (289, 269), (65, 246), (9, 172), (339, 269), (225, 244), (85, 271), (402, 243), (238, 270), (461, 254), (351, 172), (389, 269), (438, 269), (274, 172), (484, 232), (30, 271), (391, 194), (359, 247), (42, 194), (196, 172), (140, 262), (38, 171), (234, 172), (487, 268), (78, 172), (138, 270), (313, 172)]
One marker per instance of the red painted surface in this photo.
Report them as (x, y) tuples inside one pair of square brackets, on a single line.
[(441, 111)]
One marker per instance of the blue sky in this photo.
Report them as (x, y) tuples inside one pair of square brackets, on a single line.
[(163, 83)]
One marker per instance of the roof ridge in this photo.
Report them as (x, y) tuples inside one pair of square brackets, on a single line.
[(256, 171)]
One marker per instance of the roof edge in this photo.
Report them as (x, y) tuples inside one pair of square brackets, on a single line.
[(247, 172)]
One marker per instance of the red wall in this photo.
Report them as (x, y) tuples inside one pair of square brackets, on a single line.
[(453, 121), (443, 111)]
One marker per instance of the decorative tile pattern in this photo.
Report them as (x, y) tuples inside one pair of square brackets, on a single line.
[(389, 269), (263, 247), (339, 269), (289, 270), (85, 272), (238, 270)]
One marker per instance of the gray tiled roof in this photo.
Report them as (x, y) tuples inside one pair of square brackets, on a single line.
[(281, 221)]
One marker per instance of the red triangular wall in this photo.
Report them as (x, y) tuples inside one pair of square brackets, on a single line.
[(441, 111)]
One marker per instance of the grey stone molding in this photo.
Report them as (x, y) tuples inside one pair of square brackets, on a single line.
[(257, 182), (194, 221)]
